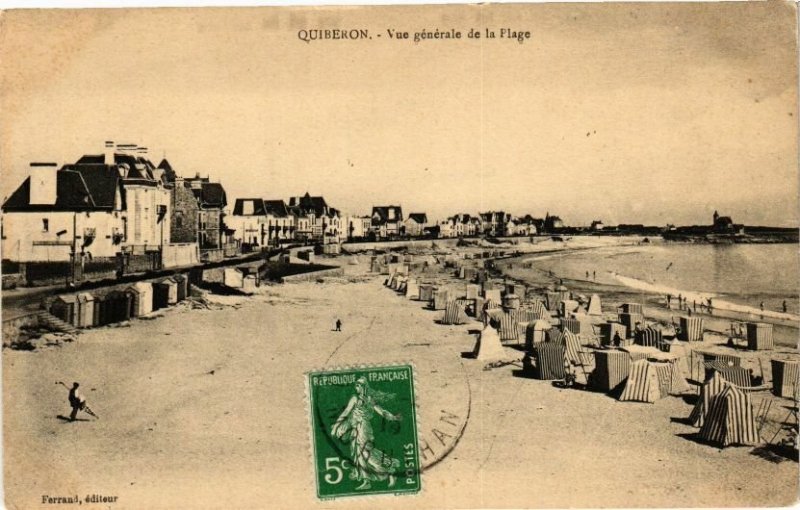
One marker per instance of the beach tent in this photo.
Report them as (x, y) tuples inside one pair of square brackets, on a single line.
[(535, 333), (609, 329), (231, 277), (539, 309), (572, 344), (511, 301), (632, 308), (579, 326), (440, 299), (172, 287), (759, 336), (492, 295), (785, 378), (454, 314), (567, 307), (473, 291), (594, 306), (506, 323), (469, 273), (711, 388), (730, 419), (645, 383), (649, 337), (412, 290), (691, 329), (553, 298), (629, 320), (611, 369), (141, 298), (550, 361), (426, 292), (488, 347), (737, 375), (84, 317)]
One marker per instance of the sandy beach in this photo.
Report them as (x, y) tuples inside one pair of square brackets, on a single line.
[(187, 406)]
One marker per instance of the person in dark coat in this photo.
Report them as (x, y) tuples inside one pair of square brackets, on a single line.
[(338, 325), (76, 401)]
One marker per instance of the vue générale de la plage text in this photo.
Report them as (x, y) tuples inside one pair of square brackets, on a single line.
[(309, 35)]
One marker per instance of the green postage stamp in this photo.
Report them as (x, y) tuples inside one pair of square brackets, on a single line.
[(364, 431)]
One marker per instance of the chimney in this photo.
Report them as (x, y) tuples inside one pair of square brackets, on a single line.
[(109, 153), (43, 184)]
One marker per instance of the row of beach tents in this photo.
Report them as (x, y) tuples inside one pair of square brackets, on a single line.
[(637, 361)]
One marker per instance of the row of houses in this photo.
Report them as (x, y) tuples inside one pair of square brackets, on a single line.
[(114, 204)]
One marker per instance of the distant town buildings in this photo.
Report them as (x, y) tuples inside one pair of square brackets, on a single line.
[(387, 221)]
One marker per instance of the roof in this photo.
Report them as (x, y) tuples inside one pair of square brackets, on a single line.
[(276, 208), (418, 217), (78, 188), (382, 213), (258, 206), (308, 204), (211, 194)]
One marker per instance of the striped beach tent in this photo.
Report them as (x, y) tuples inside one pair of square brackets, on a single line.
[(759, 336), (454, 314), (785, 378), (739, 376), (611, 369), (506, 323), (572, 343), (649, 337), (555, 336), (691, 329), (644, 383), (538, 308), (711, 388), (632, 308), (550, 361), (730, 420), (488, 346), (629, 320)]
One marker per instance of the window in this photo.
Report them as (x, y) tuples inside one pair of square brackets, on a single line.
[(45, 225)]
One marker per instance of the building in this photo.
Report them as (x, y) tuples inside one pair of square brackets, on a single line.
[(322, 220), (493, 223), (415, 224), (280, 222), (95, 208), (211, 201), (597, 225), (387, 221), (249, 221), (356, 228), (465, 225), (725, 225), (552, 223)]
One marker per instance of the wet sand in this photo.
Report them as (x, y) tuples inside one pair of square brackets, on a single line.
[(206, 409)]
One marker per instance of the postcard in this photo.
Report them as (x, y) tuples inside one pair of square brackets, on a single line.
[(429, 256)]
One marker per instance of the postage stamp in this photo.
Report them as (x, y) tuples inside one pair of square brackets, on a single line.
[(364, 431)]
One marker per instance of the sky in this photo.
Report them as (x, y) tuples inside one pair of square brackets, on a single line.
[(628, 113)]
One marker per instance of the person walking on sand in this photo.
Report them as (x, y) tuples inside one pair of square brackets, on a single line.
[(680, 300), (784, 306), (694, 305), (76, 400), (761, 306), (594, 275), (669, 301), (338, 324)]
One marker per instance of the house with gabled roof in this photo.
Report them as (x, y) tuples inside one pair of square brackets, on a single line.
[(387, 221), (415, 224), (96, 207)]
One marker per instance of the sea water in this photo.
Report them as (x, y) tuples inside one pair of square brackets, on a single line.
[(739, 277)]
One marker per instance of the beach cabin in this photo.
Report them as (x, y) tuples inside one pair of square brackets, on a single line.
[(691, 329), (160, 295), (611, 369), (550, 361), (785, 378), (141, 298), (609, 329), (535, 333), (633, 308), (249, 283), (630, 320), (649, 337), (440, 299), (84, 316), (233, 277), (511, 302), (183, 286), (759, 336), (493, 295), (64, 308)]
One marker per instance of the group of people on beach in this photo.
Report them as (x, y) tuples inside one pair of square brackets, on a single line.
[(683, 304)]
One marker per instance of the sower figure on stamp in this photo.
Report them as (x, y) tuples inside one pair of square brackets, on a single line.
[(353, 427)]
